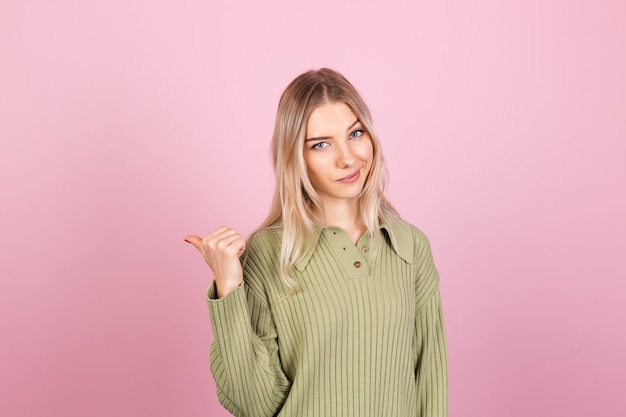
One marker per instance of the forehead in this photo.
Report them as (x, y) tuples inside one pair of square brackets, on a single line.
[(330, 117)]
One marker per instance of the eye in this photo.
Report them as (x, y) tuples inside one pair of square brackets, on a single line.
[(320, 145), (357, 133)]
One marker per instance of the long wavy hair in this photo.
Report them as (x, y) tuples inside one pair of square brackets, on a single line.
[(295, 198)]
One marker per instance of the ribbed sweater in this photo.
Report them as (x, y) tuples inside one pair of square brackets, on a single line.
[(363, 337)]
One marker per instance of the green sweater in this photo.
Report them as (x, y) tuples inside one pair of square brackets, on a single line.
[(364, 337)]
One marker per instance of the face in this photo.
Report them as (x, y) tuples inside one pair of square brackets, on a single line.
[(338, 153)]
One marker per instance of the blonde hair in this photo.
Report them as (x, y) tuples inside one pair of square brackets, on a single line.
[(294, 197)]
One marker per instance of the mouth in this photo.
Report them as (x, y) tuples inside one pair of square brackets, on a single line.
[(351, 177)]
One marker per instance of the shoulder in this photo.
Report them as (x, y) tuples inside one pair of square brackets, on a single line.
[(402, 226), (260, 262), (262, 252), (409, 240), (265, 241)]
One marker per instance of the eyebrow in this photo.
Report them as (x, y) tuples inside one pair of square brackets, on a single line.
[(357, 121)]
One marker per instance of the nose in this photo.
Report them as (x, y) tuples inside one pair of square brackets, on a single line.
[(345, 157)]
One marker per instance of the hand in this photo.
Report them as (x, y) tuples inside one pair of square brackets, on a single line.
[(221, 250)]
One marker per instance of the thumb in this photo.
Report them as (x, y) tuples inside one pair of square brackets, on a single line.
[(195, 240)]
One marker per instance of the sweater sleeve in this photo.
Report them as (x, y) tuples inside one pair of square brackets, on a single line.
[(244, 354), (429, 337)]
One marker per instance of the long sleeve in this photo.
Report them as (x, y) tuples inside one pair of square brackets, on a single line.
[(244, 355), (429, 338)]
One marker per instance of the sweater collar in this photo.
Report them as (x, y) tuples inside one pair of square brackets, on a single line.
[(397, 231)]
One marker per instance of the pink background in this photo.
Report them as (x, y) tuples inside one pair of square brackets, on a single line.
[(126, 125)]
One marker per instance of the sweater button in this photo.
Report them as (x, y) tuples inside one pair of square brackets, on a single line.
[(365, 249), (357, 264)]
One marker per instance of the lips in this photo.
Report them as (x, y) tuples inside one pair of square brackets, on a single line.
[(351, 177)]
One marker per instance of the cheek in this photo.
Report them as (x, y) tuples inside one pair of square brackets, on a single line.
[(368, 156), (367, 151), (314, 168)]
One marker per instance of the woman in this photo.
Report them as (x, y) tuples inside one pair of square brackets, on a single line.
[(334, 308)]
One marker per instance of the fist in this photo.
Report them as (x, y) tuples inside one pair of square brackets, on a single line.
[(221, 250)]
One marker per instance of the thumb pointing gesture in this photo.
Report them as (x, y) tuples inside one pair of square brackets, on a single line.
[(221, 250)]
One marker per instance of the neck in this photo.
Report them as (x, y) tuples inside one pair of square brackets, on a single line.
[(343, 214)]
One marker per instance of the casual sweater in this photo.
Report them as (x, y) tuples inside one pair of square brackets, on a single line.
[(363, 337)]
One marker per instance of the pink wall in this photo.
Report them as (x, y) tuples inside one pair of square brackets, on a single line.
[(126, 125)]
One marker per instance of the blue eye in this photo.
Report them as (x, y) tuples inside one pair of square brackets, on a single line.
[(319, 145), (357, 133)]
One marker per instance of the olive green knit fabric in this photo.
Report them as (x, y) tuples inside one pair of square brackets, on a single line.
[(363, 337)]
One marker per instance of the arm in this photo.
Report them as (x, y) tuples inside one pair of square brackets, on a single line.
[(429, 338), (244, 354)]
